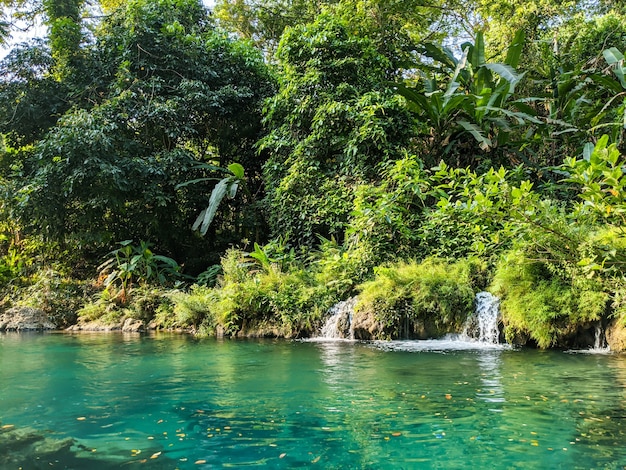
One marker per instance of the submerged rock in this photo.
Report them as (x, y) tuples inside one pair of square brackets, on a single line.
[(25, 319), (27, 446)]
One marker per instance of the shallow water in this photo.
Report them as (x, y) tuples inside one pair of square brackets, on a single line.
[(167, 401)]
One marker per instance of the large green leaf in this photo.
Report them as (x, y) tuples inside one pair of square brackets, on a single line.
[(237, 170), (514, 52), (439, 53), (484, 142), (206, 216), (477, 51), (505, 71), (612, 55)]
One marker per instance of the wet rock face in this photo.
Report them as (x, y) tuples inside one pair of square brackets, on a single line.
[(25, 319), (366, 326)]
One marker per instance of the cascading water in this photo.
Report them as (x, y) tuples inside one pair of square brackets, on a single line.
[(339, 324), (600, 345), (483, 325)]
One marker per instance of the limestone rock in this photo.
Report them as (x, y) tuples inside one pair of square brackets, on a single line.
[(133, 325), (25, 319), (616, 336), (366, 327)]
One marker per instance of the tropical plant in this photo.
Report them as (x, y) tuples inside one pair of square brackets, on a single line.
[(225, 187), (474, 111), (136, 263)]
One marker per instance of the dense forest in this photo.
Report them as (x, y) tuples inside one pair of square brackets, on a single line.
[(240, 169)]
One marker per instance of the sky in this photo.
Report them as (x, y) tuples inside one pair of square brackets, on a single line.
[(39, 31)]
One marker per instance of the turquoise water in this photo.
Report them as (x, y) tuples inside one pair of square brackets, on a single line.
[(165, 401)]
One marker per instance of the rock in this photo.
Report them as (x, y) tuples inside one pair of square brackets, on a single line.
[(25, 319), (616, 336), (95, 326), (133, 325), (366, 327)]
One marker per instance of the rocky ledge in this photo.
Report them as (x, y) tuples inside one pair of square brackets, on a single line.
[(25, 319), (130, 325)]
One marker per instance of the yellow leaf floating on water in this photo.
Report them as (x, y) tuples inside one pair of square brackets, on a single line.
[(8, 426), (155, 455), (448, 396), (534, 442), (282, 456), (396, 434), (81, 418), (200, 462), (316, 459)]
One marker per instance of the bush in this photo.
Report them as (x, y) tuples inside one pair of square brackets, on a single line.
[(538, 303), (416, 299), (188, 309)]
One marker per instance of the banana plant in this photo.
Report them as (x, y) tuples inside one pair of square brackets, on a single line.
[(474, 101), (226, 186)]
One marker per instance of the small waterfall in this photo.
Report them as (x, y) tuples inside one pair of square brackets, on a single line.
[(600, 344), (483, 325), (339, 323)]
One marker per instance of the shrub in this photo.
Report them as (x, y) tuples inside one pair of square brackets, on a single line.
[(431, 297), (538, 303)]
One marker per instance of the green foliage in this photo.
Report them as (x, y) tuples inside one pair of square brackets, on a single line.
[(415, 299), (600, 174), (471, 110), (537, 303), (144, 303), (165, 99), (58, 295), (285, 301), (31, 100), (136, 263), (225, 187), (447, 212), (188, 309), (330, 126)]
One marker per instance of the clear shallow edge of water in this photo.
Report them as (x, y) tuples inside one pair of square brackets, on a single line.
[(170, 401)]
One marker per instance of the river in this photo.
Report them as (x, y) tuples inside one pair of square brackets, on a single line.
[(171, 401)]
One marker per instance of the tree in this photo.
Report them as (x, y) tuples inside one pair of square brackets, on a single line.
[(331, 125), (169, 92)]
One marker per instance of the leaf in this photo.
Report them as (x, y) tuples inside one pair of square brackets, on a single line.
[(505, 71), (460, 66), (587, 151), (206, 216), (477, 53), (440, 54), (232, 189), (197, 180), (612, 55), (515, 49), (237, 170), (484, 142)]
